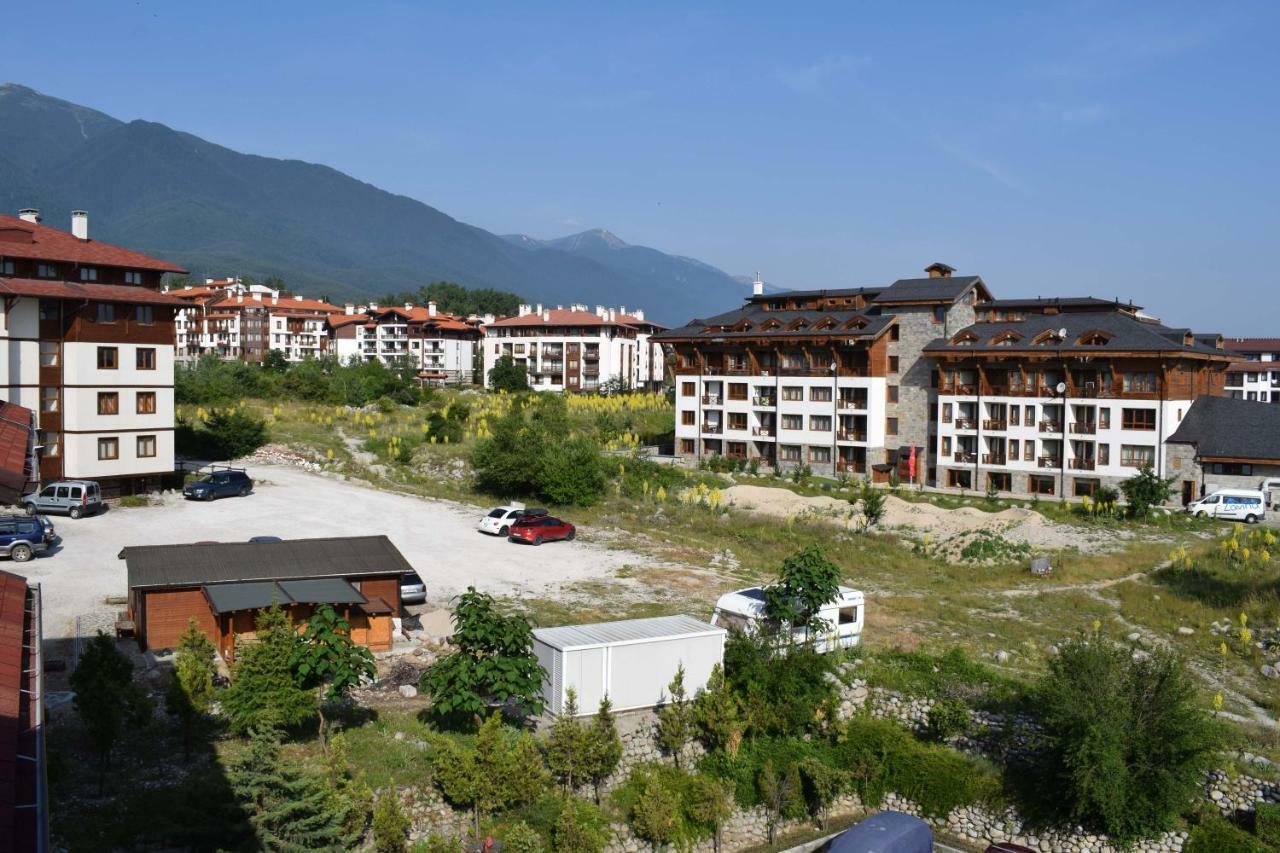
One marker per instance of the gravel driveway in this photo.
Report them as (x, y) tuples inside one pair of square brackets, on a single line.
[(439, 538)]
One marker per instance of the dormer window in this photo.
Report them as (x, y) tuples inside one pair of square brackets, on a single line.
[(1094, 338), (964, 339), (770, 325), (132, 277), (826, 323), (46, 271), (798, 324), (1006, 339), (88, 273), (1044, 339)]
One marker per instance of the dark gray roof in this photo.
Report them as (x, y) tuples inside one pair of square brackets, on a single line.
[(229, 597), (1227, 427), (942, 289), (1126, 333), (322, 591), (1060, 302), (818, 294), (756, 315), (222, 562)]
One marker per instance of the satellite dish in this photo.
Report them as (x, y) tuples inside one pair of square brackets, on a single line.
[(1062, 333), (1061, 388)]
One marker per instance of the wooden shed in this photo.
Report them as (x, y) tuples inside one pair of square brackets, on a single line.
[(225, 584)]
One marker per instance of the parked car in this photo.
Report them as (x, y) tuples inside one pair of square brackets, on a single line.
[(21, 537), (1231, 505), (265, 539), (73, 497), (413, 589), (1007, 847), (222, 483), (887, 832), (541, 528), (498, 520)]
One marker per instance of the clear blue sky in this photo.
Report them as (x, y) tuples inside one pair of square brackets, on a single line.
[(1112, 149)]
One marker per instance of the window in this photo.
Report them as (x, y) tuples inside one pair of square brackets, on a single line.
[(46, 271), (686, 445), (106, 312), (49, 399), (88, 273), (6, 267), (1143, 382), (145, 315), (132, 277), (820, 454), (939, 314), (1236, 469), (1029, 450), (894, 332), (1001, 481), (146, 446), (146, 403), (738, 420), (1015, 412), (892, 392), (891, 426), (793, 422), (737, 390), (687, 417), (687, 389), (1031, 415), (893, 362), (108, 358), (48, 353), (820, 423), (792, 392), (1013, 448), (959, 479), (1138, 418), (1082, 487), (1104, 418), (946, 445), (1137, 455), (1038, 484), (1104, 454), (820, 394), (848, 615), (108, 403), (48, 442), (791, 453), (946, 413), (108, 448), (146, 358)]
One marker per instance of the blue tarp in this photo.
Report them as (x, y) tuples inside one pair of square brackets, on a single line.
[(887, 832)]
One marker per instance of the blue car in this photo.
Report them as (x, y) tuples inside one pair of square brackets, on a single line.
[(223, 483), (887, 832), (21, 538)]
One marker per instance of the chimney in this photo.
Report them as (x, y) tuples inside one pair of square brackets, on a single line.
[(350, 309), (612, 315), (297, 297), (258, 296), (275, 299), (757, 286), (601, 312), (546, 316), (538, 310), (408, 306), (638, 314), (29, 214), (80, 224), (431, 309), (939, 270), (524, 310), (488, 319), (373, 306), (622, 309)]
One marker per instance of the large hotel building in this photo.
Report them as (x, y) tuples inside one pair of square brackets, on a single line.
[(937, 380), (89, 347)]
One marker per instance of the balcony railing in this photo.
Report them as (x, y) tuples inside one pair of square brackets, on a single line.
[(1083, 464), (852, 467), (965, 456), (765, 431), (852, 404), (1136, 461), (993, 459), (764, 402), (1050, 461), (966, 423), (1050, 426), (994, 425), (851, 435), (712, 400), (714, 429), (1084, 427)]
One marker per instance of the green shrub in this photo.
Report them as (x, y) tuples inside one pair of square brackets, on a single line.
[(948, 718), (743, 772), (1267, 824), (780, 694), (580, 827), (1219, 835), (390, 824), (669, 806), (233, 433), (437, 843), (1127, 741), (519, 837), (506, 375)]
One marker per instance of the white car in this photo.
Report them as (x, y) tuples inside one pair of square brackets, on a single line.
[(498, 521)]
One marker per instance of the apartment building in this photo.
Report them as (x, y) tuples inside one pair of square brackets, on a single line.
[(234, 320), (1255, 375), (832, 379), (576, 349), (441, 345), (90, 348), (1056, 397)]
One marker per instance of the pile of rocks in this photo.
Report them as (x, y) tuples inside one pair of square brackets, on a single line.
[(278, 454), (1231, 793)]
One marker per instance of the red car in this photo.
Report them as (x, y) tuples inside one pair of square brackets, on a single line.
[(539, 529)]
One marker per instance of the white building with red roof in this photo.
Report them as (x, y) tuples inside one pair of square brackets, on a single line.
[(1256, 375), (239, 321), (442, 346), (577, 349), (89, 347)]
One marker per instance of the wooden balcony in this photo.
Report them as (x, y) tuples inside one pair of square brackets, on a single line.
[(963, 456), (1084, 427), (850, 467), (966, 423), (764, 402), (712, 400), (1050, 461), (1050, 426), (1083, 464), (995, 426), (765, 431), (712, 429), (850, 435), (994, 459), (852, 404)]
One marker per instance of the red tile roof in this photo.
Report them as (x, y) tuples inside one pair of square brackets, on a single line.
[(95, 292), (1252, 344), (16, 432), (567, 317), (18, 776), (22, 239)]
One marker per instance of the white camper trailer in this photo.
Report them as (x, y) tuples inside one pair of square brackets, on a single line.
[(744, 611), (631, 661)]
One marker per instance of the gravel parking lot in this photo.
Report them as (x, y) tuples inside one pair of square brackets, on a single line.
[(438, 537)]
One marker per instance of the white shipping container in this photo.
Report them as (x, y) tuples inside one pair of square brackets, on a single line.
[(631, 661)]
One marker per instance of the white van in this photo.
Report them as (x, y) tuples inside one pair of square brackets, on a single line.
[(1232, 505), (744, 611)]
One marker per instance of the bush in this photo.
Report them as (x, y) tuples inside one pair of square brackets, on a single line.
[(948, 718), (390, 824), (580, 827), (781, 694), (506, 375), (225, 434), (743, 772), (1267, 823), (528, 454), (569, 472), (1127, 741), (519, 837), (1145, 490), (668, 806), (1219, 835)]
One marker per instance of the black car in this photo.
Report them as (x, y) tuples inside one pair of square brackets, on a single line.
[(219, 484)]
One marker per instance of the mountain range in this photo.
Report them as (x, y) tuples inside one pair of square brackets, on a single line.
[(220, 212)]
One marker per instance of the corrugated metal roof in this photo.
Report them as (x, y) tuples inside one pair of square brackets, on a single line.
[(223, 562), (230, 597), (322, 591), (624, 631)]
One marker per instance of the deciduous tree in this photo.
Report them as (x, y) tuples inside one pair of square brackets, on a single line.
[(807, 581), (329, 659), (506, 375)]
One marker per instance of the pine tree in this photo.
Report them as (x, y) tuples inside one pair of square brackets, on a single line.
[(106, 698), (190, 693), (567, 745), (290, 810), (390, 825), (675, 720), (264, 690), (348, 785), (498, 771), (717, 716), (604, 747)]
